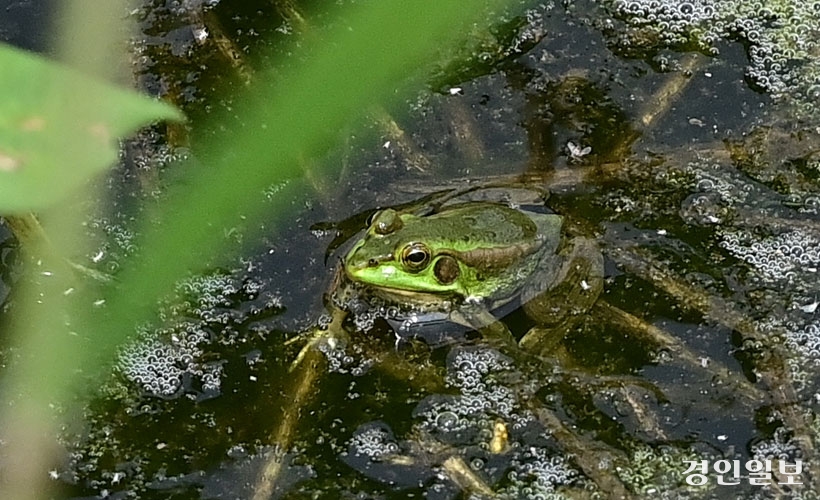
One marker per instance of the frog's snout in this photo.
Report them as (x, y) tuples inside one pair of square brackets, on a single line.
[(355, 260)]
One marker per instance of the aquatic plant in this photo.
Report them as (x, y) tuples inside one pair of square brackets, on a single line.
[(781, 38)]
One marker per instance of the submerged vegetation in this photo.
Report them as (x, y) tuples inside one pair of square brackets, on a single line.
[(681, 136), (780, 38)]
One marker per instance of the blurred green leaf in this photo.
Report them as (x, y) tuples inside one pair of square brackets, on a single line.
[(58, 128)]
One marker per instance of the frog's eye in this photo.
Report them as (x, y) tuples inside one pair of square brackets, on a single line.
[(385, 222), (415, 256)]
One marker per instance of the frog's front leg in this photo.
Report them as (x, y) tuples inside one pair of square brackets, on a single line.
[(477, 317), (557, 309)]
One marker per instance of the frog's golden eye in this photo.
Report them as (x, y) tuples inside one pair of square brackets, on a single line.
[(415, 256)]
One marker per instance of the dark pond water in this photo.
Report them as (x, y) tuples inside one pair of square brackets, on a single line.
[(26, 24), (700, 186)]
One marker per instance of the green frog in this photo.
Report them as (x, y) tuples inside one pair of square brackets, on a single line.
[(465, 260)]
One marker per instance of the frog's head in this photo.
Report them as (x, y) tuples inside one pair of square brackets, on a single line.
[(396, 256)]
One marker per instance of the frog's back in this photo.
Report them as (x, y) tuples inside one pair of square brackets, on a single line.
[(480, 225)]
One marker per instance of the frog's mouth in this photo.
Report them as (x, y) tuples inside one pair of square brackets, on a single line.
[(413, 298), (407, 293), (417, 300)]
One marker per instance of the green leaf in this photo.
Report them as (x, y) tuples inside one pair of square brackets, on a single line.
[(58, 128)]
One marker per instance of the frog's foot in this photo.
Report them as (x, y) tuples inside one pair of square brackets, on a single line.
[(557, 310), (333, 334)]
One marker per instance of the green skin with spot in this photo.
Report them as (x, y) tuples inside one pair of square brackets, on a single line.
[(496, 249)]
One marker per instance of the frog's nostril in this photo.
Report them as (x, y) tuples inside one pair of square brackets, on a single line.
[(372, 263)]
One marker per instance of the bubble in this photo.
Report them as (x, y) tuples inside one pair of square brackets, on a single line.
[(373, 440), (776, 257), (813, 202), (706, 185), (537, 474), (446, 420)]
